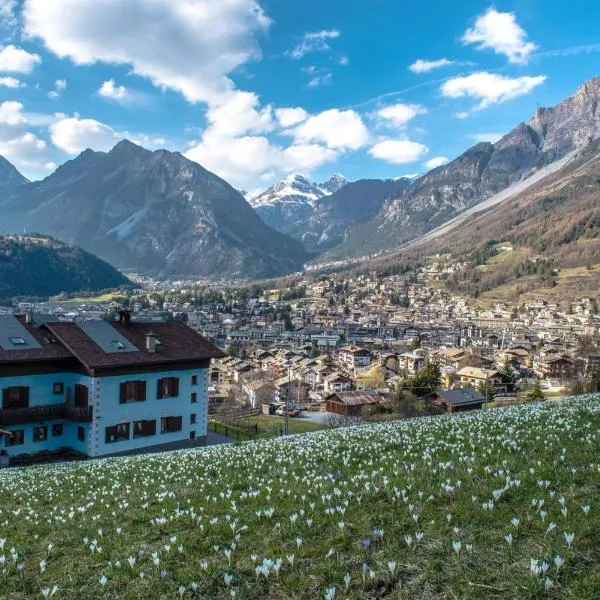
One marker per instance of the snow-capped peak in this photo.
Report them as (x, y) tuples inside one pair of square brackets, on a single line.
[(296, 189), (334, 183)]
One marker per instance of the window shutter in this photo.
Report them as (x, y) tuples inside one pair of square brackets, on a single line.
[(175, 388), (141, 391), (159, 389), (123, 393), (24, 396)]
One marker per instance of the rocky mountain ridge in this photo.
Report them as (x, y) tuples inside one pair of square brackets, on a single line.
[(153, 212), (482, 171)]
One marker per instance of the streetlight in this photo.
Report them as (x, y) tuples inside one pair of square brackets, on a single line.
[(287, 401)]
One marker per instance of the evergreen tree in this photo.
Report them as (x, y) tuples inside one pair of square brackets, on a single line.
[(536, 394)]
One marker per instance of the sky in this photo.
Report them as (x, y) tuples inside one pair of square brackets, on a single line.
[(254, 90)]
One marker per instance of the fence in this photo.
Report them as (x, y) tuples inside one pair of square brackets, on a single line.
[(240, 431)]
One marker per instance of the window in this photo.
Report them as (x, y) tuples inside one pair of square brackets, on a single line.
[(40, 434), (193, 418), (194, 379), (81, 395), (171, 424), (15, 397), (194, 397), (168, 387), (16, 438), (17, 341), (57, 430), (117, 433), (144, 428), (58, 387), (132, 391), (81, 433), (192, 435)]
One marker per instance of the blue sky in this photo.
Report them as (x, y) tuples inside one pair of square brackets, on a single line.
[(256, 89)]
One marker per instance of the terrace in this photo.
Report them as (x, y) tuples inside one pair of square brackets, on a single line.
[(45, 412)]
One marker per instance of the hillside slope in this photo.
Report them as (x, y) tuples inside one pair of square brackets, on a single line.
[(155, 212), (481, 172), (41, 266), (498, 503)]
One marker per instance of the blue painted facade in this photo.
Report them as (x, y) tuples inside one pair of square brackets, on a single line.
[(107, 411)]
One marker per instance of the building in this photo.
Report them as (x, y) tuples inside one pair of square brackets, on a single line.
[(473, 376), (100, 388), (458, 400), (354, 357), (556, 367), (411, 362), (351, 404)]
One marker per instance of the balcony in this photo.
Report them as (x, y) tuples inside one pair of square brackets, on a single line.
[(46, 412)]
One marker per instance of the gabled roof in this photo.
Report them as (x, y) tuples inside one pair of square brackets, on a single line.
[(461, 397), (178, 343), (355, 398)]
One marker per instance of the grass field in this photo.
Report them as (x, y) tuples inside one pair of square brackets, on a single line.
[(91, 299), (499, 503), (296, 424)]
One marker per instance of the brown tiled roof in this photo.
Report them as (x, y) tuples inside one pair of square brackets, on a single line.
[(48, 352), (178, 343), (355, 398)]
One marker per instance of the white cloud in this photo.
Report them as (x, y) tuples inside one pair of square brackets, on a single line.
[(489, 88), (73, 134), (26, 150), (314, 41), (287, 117), (11, 82), (239, 115), (11, 113), (500, 32), (17, 60), (400, 114), (60, 85), (487, 136), (398, 152), (424, 66), (462, 115), (306, 157), (337, 129), (7, 12), (344, 61), (112, 91), (192, 47), (244, 159), (319, 80), (436, 161)]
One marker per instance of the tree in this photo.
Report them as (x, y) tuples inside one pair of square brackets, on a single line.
[(487, 389), (508, 375), (536, 394), (586, 346)]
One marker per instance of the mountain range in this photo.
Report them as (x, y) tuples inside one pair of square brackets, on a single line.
[(160, 213), (152, 212)]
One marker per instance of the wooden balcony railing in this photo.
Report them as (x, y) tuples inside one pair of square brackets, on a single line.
[(46, 412)]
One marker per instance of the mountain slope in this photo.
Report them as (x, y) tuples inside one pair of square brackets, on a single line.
[(336, 216), (482, 171), (41, 266), (321, 216), (155, 212), (287, 205), (10, 178), (553, 228)]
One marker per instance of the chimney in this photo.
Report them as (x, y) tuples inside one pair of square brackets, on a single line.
[(28, 318), (151, 342), (125, 316)]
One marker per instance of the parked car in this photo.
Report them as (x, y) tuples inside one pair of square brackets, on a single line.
[(292, 412)]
